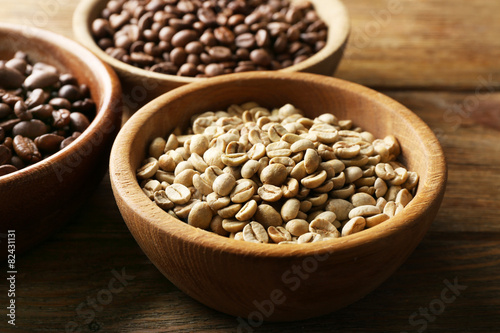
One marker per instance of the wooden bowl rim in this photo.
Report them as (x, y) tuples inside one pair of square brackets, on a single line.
[(110, 95), (338, 33), (126, 187)]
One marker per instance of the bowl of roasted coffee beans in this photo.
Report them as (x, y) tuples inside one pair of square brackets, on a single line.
[(157, 45), (60, 109), (277, 196)]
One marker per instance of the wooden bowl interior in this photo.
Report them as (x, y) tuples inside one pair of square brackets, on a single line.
[(56, 186), (209, 267)]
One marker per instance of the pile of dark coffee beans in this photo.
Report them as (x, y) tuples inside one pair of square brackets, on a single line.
[(41, 111), (212, 37)]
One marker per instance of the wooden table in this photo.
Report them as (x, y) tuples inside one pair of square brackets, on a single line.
[(440, 58)]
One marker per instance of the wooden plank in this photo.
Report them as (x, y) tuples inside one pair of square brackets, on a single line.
[(468, 128), (425, 44), (59, 280), (394, 43)]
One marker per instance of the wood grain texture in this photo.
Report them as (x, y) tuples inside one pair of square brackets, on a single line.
[(55, 186), (209, 267), (463, 241)]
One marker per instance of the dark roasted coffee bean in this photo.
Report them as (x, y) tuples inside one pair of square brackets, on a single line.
[(101, 28), (67, 79), (181, 38), (17, 162), (260, 57), (220, 53), (5, 110), (18, 64), (26, 149), (8, 142), (11, 99), (66, 142), (224, 35), (193, 59), (60, 103), (21, 111), (36, 97), (208, 38), (165, 68), (5, 154), (30, 129), (178, 56), (214, 69), (49, 142), (157, 28), (43, 111), (6, 169), (70, 92), (41, 79), (262, 38), (206, 15), (194, 47), (187, 69), (61, 118), (78, 122), (142, 59), (2, 134), (8, 125), (246, 40), (10, 78)]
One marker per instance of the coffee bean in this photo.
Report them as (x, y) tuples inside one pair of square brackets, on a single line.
[(78, 122), (181, 38), (26, 149), (214, 69), (41, 79), (245, 40), (262, 38), (18, 64), (194, 47), (60, 103), (188, 69), (49, 142), (61, 118), (101, 28), (36, 97), (5, 154), (144, 36), (10, 78), (30, 129), (178, 56), (224, 35), (8, 125), (6, 169), (21, 111), (42, 111), (260, 57), (5, 110)]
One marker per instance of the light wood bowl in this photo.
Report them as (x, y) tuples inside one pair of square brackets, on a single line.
[(140, 86), (234, 276), (37, 200)]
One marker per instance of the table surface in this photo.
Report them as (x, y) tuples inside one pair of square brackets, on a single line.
[(440, 58)]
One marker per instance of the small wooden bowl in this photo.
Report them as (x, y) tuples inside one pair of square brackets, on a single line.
[(269, 281), (140, 86), (38, 199)]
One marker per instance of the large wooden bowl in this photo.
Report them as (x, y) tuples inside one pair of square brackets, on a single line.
[(140, 86), (37, 200), (269, 281)]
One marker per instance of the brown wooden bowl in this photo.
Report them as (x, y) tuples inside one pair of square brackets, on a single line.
[(38, 199), (269, 281), (140, 86)]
